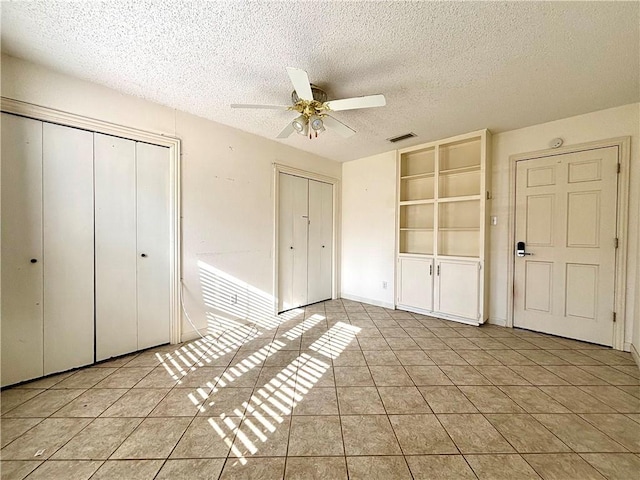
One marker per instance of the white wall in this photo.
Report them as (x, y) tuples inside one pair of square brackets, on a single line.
[(227, 184), (368, 229), (369, 221)]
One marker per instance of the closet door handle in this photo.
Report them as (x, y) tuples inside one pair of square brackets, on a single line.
[(144, 255), (438, 270), (34, 260), (430, 270)]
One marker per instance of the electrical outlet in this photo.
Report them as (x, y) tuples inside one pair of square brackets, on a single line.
[(384, 285)]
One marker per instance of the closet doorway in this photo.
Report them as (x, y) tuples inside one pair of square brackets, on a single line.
[(304, 240)]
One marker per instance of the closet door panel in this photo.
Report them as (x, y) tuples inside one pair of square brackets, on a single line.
[(285, 242), (153, 243), (68, 248), (292, 241), (300, 209), (22, 280), (115, 230), (320, 241)]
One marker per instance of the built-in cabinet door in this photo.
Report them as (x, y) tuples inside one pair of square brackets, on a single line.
[(292, 241), (320, 241), (116, 259), (22, 276), (415, 283), (457, 289), (153, 246), (68, 247)]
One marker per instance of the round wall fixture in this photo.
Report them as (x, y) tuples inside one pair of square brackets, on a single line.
[(556, 143)]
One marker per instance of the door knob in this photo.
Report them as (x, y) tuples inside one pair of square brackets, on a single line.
[(34, 260), (521, 250), (143, 255)]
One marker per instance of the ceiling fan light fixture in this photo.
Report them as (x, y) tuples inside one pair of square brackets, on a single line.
[(316, 123), (301, 125)]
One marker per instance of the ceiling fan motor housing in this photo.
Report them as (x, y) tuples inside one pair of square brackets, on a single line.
[(319, 95)]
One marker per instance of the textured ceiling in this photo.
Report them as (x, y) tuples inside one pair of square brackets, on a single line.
[(445, 68)]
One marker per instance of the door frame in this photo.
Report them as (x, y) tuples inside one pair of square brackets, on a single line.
[(50, 115), (277, 170), (622, 221)]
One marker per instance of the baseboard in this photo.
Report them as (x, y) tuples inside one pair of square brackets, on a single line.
[(189, 336), (635, 355), (497, 321), (370, 301)]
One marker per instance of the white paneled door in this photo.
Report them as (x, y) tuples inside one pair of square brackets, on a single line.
[(305, 241), (566, 234), (68, 247), (22, 277)]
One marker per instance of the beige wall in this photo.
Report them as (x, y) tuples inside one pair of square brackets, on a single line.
[(378, 222), (227, 183), (368, 232)]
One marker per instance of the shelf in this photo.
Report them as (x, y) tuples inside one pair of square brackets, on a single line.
[(417, 176), (415, 255), (467, 198), (403, 229), (416, 202), (459, 229), (460, 170)]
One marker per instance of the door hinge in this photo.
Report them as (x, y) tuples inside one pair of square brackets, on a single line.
[(619, 168), (617, 242), (614, 317)]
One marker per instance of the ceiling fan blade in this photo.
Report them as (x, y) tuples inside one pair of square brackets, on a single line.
[(288, 130), (265, 107), (338, 126), (357, 102), (301, 83)]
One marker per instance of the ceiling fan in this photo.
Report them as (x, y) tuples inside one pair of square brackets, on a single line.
[(310, 101)]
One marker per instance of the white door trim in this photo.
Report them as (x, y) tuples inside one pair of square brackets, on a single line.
[(277, 170), (50, 115), (623, 144)]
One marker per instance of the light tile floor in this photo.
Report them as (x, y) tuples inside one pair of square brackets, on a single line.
[(337, 390)]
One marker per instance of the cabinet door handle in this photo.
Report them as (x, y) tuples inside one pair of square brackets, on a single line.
[(144, 255), (438, 270), (291, 248), (34, 260), (430, 270)]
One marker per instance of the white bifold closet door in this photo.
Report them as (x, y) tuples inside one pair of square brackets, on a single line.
[(47, 248), (67, 172), (305, 241), (22, 265), (132, 246)]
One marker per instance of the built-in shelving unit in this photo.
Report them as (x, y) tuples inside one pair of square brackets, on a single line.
[(442, 202)]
